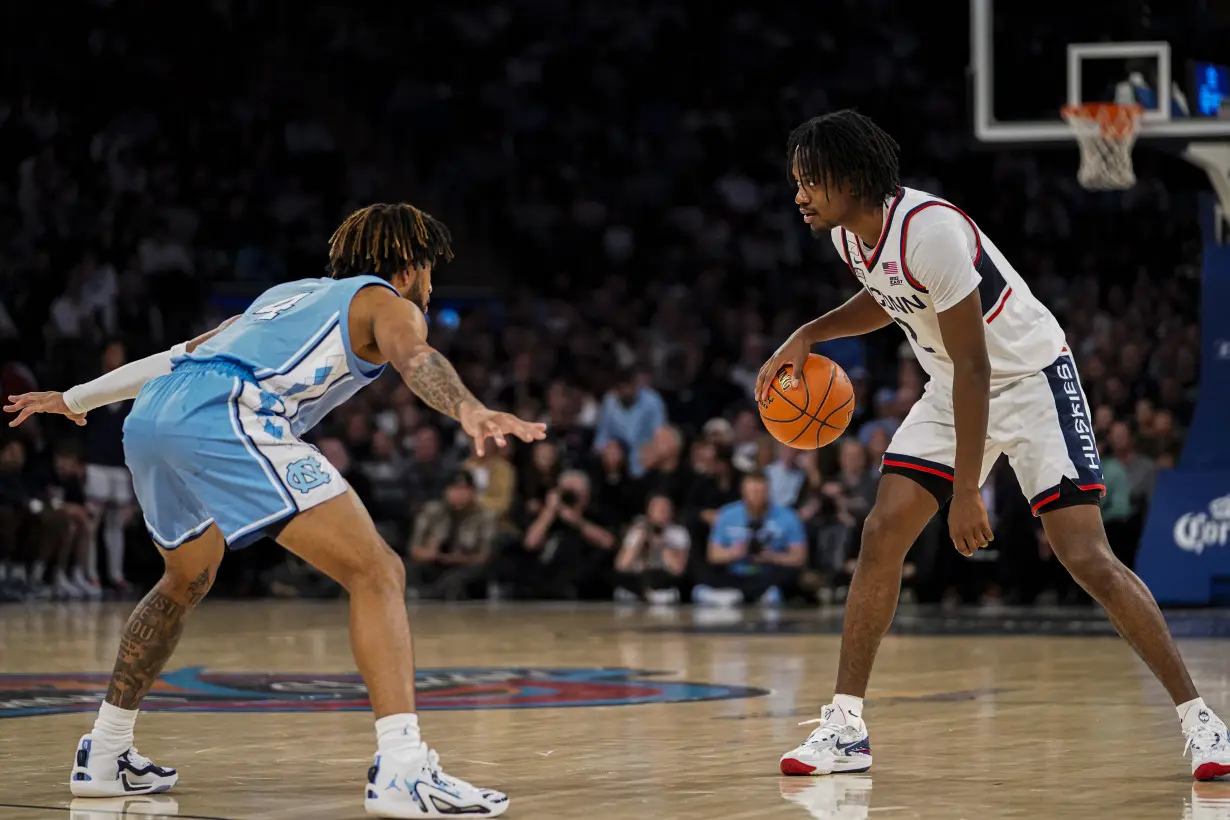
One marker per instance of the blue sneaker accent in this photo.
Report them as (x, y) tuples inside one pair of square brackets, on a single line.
[(856, 747)]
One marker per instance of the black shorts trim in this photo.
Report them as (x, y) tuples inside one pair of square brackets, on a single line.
[(932, 476), (1067, 493)]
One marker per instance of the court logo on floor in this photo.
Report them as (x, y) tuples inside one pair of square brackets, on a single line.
[(197, 690)]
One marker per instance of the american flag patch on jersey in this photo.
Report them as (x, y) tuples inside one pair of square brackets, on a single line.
[(890, 267)]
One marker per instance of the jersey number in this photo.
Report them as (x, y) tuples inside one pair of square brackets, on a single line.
[(913, 335), (274, 309)]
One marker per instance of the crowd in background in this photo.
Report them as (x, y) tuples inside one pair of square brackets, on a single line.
[(629, 254)]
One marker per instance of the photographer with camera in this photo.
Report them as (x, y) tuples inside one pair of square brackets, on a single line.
[(756, 549), (572, 540), (654, 555)]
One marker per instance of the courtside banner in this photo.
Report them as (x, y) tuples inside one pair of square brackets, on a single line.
[(1186, 544), (1208, 440)]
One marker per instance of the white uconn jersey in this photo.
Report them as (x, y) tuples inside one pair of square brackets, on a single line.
[(931, 256)]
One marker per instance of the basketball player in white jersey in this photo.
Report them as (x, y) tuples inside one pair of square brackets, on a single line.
[(1002, 381)]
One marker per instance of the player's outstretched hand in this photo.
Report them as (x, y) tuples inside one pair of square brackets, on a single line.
[(481, 424), (793, 353), (27, 404), (968, 524)]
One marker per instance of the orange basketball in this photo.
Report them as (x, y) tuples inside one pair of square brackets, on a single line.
[(814, 413)]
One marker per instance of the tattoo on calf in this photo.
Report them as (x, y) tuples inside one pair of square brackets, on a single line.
[(149, 638)]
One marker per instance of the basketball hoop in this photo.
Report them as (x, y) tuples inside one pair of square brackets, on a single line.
[(1106, 133)]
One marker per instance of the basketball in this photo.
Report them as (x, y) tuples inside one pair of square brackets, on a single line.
[(814, 413)]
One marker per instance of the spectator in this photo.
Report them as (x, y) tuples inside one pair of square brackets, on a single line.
[(1117, 509), (889, 414), (665, 471), (108, 485), (715, 483), (495, 479), (756, 549), (20, 529), (654, 556), (786, 477), (631, 414), (69, 520), (1140, 469), (385, 470), (451, 548), (1140, 472), (537, 480), (570, 543), (429, 468), (621, 496)]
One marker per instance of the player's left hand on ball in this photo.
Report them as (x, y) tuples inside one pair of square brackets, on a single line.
[(968, 524), (27, 404), (482, 424)]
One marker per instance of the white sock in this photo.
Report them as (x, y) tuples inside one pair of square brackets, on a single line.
[(849, 707), (398, 734), (114, 727), (1189, 713)]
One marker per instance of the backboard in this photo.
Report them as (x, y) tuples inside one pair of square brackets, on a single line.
[(1031, 57)]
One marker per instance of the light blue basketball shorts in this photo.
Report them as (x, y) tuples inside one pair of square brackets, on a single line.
[(204, 449)]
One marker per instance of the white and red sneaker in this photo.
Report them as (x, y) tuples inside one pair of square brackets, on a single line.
[(1210, 748), (839, 744)]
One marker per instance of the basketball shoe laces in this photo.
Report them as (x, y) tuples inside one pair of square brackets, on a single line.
[(136, 759), (455, 783), (828, 734), (1203, 737)]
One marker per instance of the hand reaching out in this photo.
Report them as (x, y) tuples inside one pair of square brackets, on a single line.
[(27, 404)]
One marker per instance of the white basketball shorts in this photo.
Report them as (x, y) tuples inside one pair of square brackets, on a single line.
[(1041, 422)]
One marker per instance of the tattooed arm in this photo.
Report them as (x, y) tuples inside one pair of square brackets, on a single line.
[(399, 334)]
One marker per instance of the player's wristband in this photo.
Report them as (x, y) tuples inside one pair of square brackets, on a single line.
[(123, 383)]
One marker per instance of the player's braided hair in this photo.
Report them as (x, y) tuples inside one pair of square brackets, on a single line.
[(846, 148), (384, 240)]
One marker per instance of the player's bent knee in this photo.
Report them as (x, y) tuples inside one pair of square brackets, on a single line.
[(882, 540), (1090, 562), (385, 574)]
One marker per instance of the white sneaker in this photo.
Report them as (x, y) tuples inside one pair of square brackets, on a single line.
[(116, 808), (413, 786), (705, 595), (1209, 746), (65, 589), (90, 587), (662, 597), (1210, 801), (96, 775), (834, 746), (830, 798)]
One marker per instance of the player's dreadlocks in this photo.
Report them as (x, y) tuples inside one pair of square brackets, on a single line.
[(386, 239), (846, 148)]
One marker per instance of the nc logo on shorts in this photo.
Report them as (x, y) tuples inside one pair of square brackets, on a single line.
[(306, 474)]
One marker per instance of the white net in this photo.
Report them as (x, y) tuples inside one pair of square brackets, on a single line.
[(1106, 134)]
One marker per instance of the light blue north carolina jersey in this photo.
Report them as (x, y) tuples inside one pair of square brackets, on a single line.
[(215, 443), (295, 340)]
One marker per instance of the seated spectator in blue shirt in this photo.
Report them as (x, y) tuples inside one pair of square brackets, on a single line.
[(631, 414), (756, 549)]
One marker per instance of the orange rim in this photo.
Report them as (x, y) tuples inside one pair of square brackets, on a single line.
[(1115, 120)]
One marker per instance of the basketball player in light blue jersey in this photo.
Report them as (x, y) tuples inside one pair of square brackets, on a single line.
[(213, 443)]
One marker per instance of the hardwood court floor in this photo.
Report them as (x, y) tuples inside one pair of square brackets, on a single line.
[(962, 726)]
